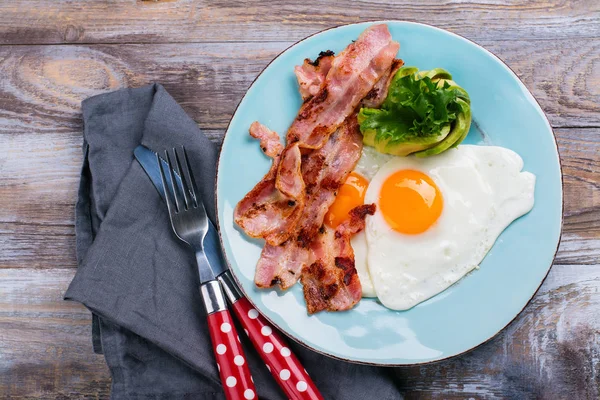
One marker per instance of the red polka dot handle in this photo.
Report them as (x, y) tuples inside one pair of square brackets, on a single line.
[(231, 361), (281, 362)]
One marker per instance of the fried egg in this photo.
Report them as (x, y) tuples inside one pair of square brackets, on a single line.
[(437, 218), (350, 195)]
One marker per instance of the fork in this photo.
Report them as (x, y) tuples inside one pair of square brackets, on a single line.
[(191, 225)]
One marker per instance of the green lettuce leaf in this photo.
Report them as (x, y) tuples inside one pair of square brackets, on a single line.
[(415, 107)]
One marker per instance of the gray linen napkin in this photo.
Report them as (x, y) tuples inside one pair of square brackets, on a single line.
[(140, 282)]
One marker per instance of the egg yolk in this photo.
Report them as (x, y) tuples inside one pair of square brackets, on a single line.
[(351, 194), (410, 201)]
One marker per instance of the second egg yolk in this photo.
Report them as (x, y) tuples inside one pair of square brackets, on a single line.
[(410, 201), (351, 194)]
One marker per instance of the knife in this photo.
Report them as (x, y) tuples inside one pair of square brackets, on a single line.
[(283, 365)]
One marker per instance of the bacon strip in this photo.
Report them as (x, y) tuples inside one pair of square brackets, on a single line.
[(353, 74), (272, 208), (288, 206), (281, 265), (269, 140), (331, 281), (323, 172), (377, 95), (311, 74)]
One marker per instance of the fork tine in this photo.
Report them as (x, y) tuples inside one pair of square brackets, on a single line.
[(184, 182), (174, 185), (170, 205), (194, 188)]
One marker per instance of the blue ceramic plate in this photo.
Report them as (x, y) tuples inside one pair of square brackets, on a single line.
[(478, 306)]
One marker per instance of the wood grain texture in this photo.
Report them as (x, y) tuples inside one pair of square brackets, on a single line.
[(131, 21), (550, 351), (43, 85), (41, 174), (55, 53), (45, 346)]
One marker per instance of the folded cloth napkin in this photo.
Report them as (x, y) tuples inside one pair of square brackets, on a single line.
[(140, 282)]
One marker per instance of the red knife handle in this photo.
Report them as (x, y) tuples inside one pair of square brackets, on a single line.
[(231, 360), (281, 362)]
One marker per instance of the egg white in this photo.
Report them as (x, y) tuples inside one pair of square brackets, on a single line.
[(483, 191), (369, 163), (359, 245)]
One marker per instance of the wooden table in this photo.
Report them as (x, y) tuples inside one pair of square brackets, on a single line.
[(54, 53)]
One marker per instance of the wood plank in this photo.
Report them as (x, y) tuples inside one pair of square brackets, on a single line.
[(44, 85), (561, 76), (45, 342), (552, 347), (65, 21), (551, 351), (40, 174), (580, 158)]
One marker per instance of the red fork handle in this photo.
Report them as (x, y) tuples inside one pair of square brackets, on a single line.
[(231, 360), (281, 362)]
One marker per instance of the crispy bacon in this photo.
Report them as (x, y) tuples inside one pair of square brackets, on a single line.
[(375, 97), (281, 265), (289, 177), (272, 208), (331, 282), (353, 74), (269, 140), (287, 207), (311, 74), (323, 172)]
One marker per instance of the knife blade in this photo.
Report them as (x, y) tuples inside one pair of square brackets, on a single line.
[(212, 246), (263, 336)]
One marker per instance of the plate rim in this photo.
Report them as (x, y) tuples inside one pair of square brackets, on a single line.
[(388, 364)]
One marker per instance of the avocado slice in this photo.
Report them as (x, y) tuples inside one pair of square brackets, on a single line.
[(450, 135), (417, 144), (457, 135), (460, 92), (404, 71), (435, 74)]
